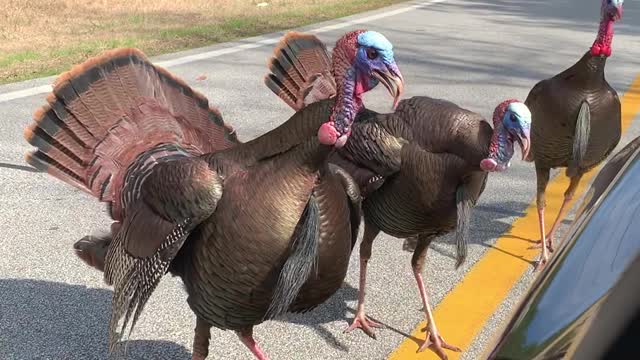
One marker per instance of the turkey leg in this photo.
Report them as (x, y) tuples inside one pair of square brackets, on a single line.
[(201, 340), (433, 340), (568, 195), (361, 321), (542, 178), (246, 336)]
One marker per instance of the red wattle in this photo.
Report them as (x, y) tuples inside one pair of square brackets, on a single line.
[(327, 134), (488, 164), (597, 50)]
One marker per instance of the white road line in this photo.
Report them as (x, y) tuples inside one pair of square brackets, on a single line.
[(24, 93), (233, 49)]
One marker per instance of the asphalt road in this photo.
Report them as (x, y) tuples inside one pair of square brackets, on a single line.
[(476, 53)]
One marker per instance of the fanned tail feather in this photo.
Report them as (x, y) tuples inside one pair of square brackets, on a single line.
[(107, 124), (300, 70), (104, 113)]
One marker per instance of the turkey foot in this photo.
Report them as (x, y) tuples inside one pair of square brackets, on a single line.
[(550, 245), (361, 321), (437, 344), (433, 340), (93, 250), (246, 336), (544, 259)]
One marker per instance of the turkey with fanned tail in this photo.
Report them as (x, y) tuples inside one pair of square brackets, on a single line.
[(253, 229)]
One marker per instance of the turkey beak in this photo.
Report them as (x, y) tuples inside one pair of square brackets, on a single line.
[(524, 142), (392, 79)]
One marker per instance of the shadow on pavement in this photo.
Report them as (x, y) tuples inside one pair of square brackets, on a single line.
[(51, 320)]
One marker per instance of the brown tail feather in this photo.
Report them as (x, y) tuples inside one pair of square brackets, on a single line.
[(42, 162), (300, 70), (105, 113)]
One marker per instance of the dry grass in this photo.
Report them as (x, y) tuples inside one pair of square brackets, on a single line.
[(45, 37)]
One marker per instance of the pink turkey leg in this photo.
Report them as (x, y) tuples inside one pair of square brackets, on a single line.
[(563, 210), (246, 336), (361, 321), (545, 256), (568, 195), (434, 341)]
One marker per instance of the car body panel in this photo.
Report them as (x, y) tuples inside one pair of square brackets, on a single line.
[(603, 243)]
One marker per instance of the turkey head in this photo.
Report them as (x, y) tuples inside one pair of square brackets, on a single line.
[(511, 124), (361, 60)]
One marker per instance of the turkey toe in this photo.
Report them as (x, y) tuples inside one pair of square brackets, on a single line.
[(364, 323)]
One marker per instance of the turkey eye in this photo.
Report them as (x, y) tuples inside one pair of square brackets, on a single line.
[(513, 117), (372, 53)]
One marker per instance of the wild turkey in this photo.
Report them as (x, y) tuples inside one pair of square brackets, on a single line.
[(254, 229), (424, 167), (575, 120)]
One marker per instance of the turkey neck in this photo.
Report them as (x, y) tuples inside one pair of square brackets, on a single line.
[(501, 148), (295, 131), (602, 44), (348, 102), (295, 142), (345, 108), (589, 70), (303, 125)]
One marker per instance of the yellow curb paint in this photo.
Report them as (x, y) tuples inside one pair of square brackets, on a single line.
[(463, 312)]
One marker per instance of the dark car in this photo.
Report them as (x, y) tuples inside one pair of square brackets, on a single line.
[(586, 302)]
